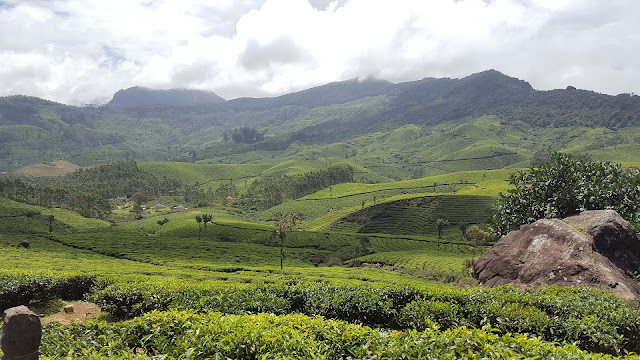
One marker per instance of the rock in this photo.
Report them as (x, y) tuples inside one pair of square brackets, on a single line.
[(21, 334), (583, 250), (68, 309), (25, 244), (613, 237)]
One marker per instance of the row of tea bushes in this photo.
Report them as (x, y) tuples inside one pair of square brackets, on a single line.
[(21, 288), (212, 335), (594, 320)]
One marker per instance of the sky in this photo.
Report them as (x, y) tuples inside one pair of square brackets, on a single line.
[(82, 51)]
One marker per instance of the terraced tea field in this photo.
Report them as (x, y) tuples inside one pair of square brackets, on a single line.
[(430, 259)]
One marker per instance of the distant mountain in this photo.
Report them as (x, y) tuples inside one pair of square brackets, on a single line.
[(333, 93), (434, 125), (138, 96)]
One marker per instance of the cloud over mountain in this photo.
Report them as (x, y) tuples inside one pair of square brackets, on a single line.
[(82, 51)]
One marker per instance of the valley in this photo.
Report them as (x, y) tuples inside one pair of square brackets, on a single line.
[(335, 225)]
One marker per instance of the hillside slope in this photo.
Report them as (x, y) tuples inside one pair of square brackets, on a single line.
[(138, 96), (483, 121)]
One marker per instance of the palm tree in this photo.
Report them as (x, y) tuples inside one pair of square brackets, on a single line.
[(441, 223), (206, 218)]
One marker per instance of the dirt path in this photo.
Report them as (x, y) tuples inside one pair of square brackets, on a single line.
[(82, 311)]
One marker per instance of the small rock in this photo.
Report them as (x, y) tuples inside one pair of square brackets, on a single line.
[(68, 309)]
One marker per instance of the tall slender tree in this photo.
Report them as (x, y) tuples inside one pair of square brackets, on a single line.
[(51, 218), (199, 220), (206, 218), (286, 223)]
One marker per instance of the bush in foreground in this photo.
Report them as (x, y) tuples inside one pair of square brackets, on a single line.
[(185, 335)]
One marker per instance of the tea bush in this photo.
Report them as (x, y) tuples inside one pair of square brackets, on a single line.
[(185, 335), (22, 288), (603, 323)]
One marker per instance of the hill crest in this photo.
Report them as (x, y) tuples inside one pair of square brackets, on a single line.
[(137, 96)]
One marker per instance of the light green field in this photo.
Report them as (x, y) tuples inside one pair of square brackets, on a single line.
[(432, 259), (205, 174), (13, 218)]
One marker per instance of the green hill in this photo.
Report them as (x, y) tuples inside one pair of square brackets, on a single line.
[(399, 131), (138, 96)]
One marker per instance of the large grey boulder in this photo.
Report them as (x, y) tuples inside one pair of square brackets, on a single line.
[(596, 249), (613, 237), (21, 334)]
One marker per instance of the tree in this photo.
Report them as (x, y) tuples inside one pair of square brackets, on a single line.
[(563, 187), (246, 135), (206, 218), (137, 209), (139, 197), (441, 223), (463, 228), (199, 220), (51, 218), (285, 224), (30, 214), (477, 236)]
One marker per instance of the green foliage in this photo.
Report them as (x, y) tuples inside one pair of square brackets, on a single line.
[(85, 203), (22, 288), (276, 191), (594, 320), (477, 236), (115, 179), (562, 187), (431, 259), (213, 335), (246, 135)]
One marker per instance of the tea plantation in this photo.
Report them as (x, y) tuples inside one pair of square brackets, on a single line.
[(359, 280)]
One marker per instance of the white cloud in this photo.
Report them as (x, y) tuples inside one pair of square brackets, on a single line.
[(78, 51)]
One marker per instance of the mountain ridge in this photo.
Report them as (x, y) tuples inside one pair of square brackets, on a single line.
[(139, 96), (324, 119)]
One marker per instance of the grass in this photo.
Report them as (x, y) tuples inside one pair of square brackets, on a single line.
[(211, 176), (18, 217), (205, 174)]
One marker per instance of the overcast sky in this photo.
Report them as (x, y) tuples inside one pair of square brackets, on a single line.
[(82, 51)]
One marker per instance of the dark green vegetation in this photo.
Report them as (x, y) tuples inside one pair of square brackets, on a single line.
[(589, 319), (87, 191), (562, 187), (399, 131), (137, 96)]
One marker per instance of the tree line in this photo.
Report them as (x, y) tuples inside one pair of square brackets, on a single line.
[(118, 178), (87, 204), (87, 191), (289, 187)]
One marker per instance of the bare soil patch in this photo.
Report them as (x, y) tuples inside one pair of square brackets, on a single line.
[(56, 168), (82, 311)]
